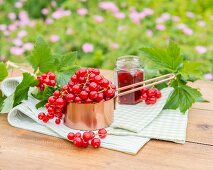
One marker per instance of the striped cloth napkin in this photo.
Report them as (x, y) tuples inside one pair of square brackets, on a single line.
[(132, 128)]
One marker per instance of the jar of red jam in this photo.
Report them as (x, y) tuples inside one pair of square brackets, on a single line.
[(129, 71)]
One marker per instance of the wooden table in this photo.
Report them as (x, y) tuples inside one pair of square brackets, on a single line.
[(21, 149)]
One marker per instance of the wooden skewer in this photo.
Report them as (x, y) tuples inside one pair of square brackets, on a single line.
[(157, 80)]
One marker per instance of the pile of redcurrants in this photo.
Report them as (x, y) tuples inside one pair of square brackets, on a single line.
[(85, 86), (46, 79), (150, 96), (87, 138)]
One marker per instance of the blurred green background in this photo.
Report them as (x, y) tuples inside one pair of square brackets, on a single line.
[(104, 30)]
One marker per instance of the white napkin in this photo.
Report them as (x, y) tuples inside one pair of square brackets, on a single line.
[(132, 128)]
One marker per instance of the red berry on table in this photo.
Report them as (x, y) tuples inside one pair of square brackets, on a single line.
[(158, 94), (74, 78), (45, 119), (92, 134), (144, 90), (78, 141), (109, 93), (57, 121), (76, 89), (144, 96), (96, 71), (151, 92), (41, 116), (86, 136), (51, 99), (97, 79), (83, 95), (93, 86), (96, 143), (93, 95), (60, 102), (85, 144), (147, 101), (44, 76), (70, 97), (152, 100), (57, 93), (77, 99), (78, 134), (102, 133), (71, 136)]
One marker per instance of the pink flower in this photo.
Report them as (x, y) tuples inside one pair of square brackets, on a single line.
[(54, 38), (49, 21), (159, 20), (16, 51), (18, 4), (12, 16), (160, 27), (114, 46), (209, 76), (119, 15), (59, 13), (187, 31), (82, 11), (211, 17), (110, 6), (201, 49), (12, 27), (148, 11), (22, 34), (135, 17), (98, 18), (24, 19), (28, 46), (69, 31), (181, 26), (201, 23), (165, 16), (17, 42), (87, 47), (149, 33), (3, 27), (176, 18), (6, 33), (190, 14), (44, 11)]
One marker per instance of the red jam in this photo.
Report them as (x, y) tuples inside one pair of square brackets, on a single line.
[(126, 78)]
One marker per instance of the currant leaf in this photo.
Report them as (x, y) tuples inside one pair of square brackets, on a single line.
[(41, 57), (22, 89), (3, 71)]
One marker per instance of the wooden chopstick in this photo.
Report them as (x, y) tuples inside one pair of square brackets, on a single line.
[(156, 79)]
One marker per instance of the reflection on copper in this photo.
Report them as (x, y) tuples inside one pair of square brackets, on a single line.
[(90, 116)]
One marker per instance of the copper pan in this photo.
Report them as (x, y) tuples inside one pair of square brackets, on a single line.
[(100, 115)]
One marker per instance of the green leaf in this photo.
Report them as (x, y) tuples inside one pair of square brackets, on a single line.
[(7, 104), (67, 60), (191, 71), (168, 59), (2, 98), (41, 57), (43, 95), (63, 77), (3, 71), (22, 89), (183, 97)]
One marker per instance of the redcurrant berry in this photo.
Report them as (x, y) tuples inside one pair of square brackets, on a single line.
[(85, 144), (78, 141), (51, 76), (97, 79), (57, 121), (57, 93), (60, 102), (51, 99), (151, 92), (41, 116), (78, 134), (83, 95), (76, 89), (71, 136), (74, 78), (70, 97), (93, 95), (100, 97), (158, 94), (86, 136), (93, 86), (77, 99), (96, 142), (102, 133), (96, 71), (144, 90), (92, 134)]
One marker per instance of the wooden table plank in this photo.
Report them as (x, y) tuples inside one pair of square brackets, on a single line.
[(29, 150)]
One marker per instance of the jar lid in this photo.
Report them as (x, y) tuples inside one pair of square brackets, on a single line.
[(128, 62)]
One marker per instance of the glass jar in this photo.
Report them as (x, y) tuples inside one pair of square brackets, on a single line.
[(129, 71)]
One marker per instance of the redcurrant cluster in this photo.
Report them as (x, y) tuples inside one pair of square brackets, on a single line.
[(87, 138), (55, 107), (46, 79), (88, 86), (151, 95)]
